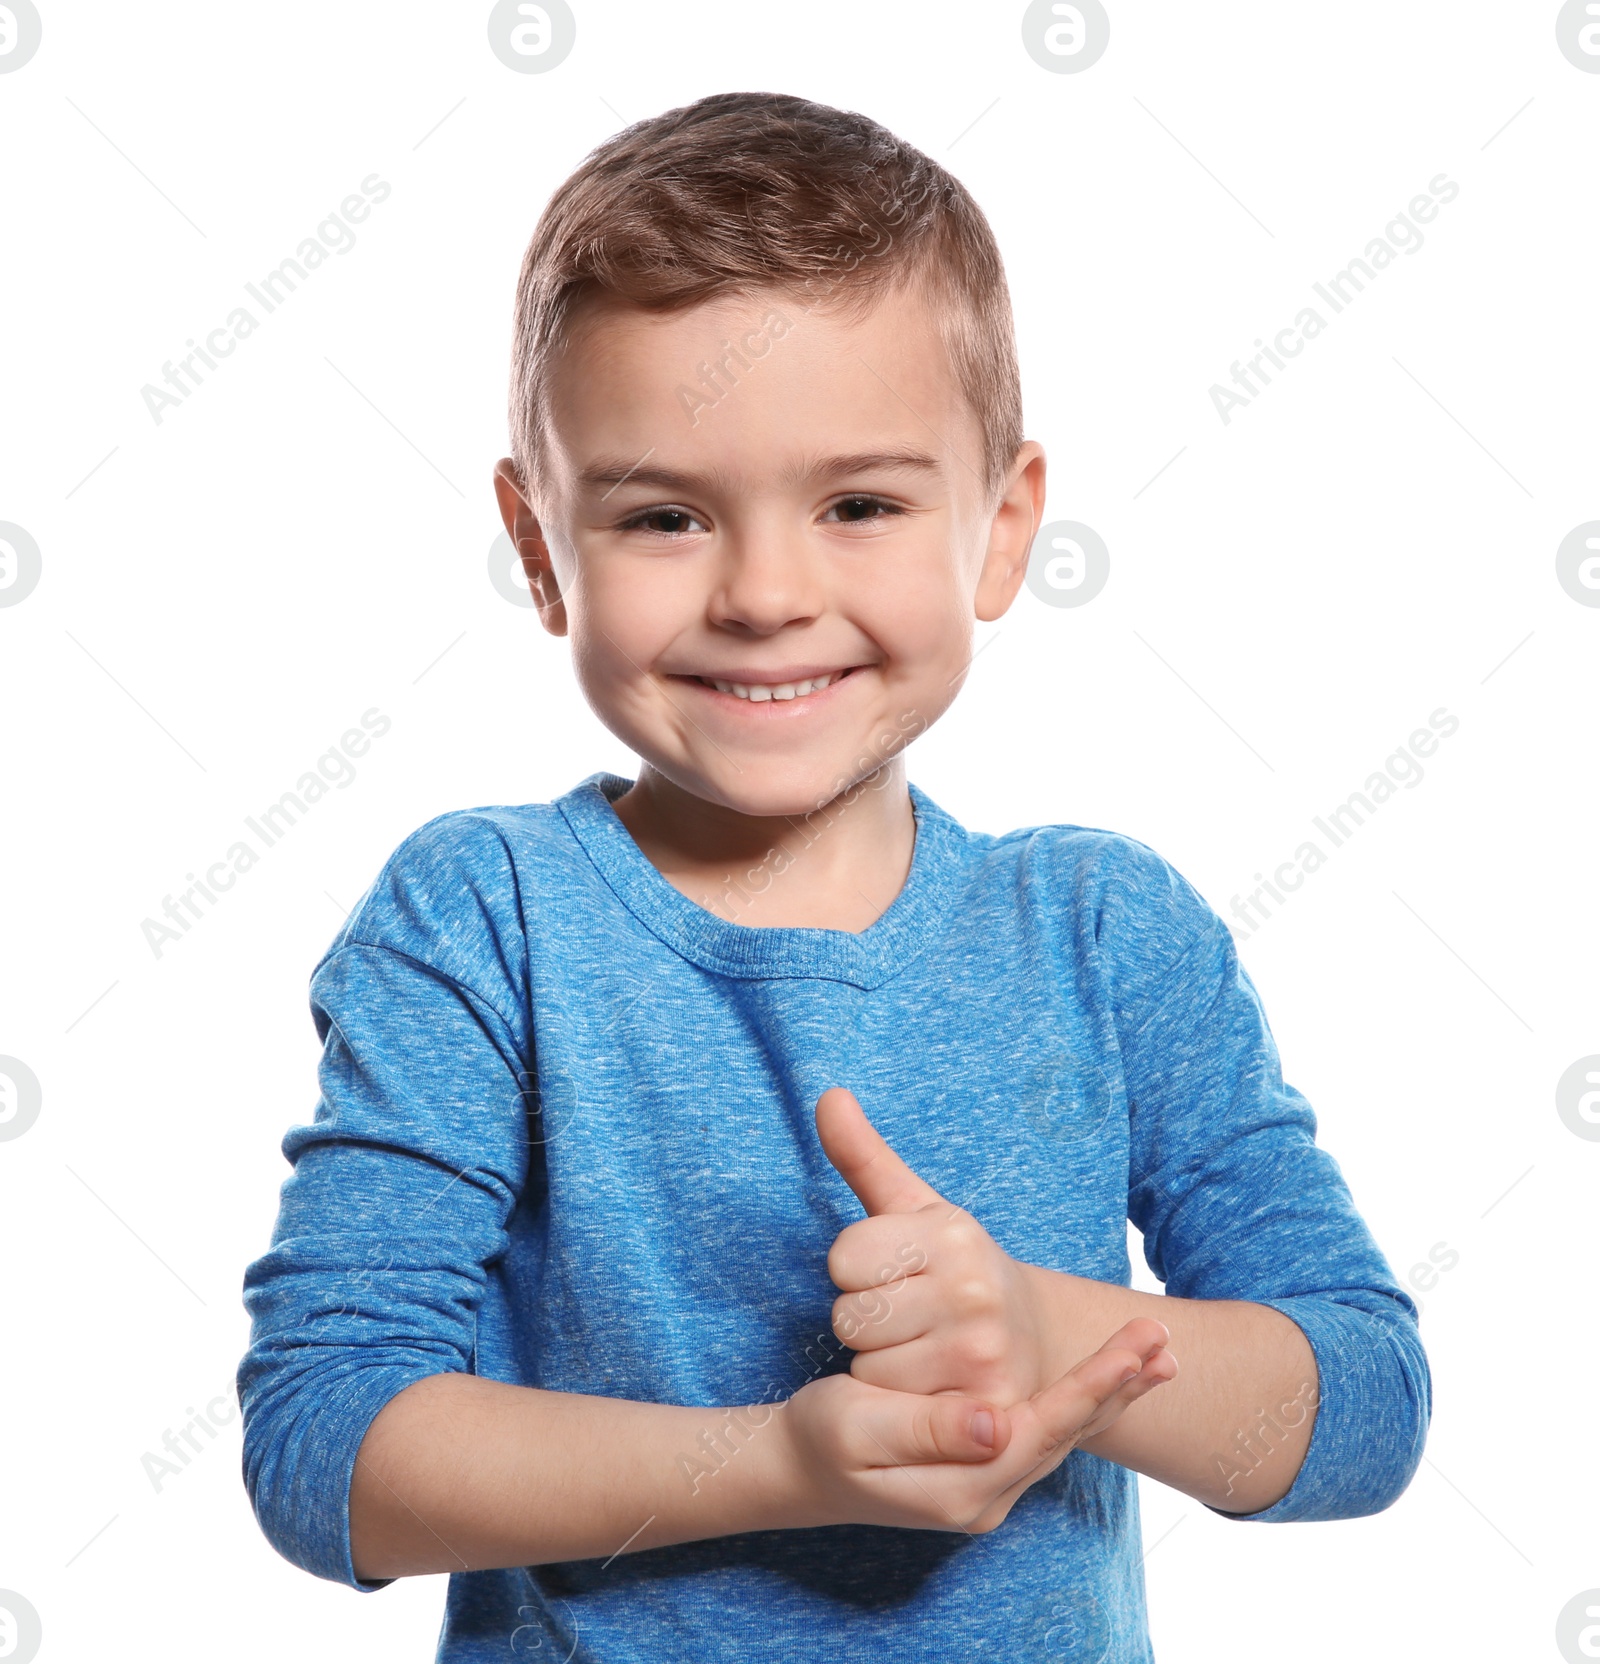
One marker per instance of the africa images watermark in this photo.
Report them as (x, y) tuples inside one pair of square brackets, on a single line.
[(1400, 236), (181, 1446), (1423, 1276), (20, 1628), (335, 235), (335, 768), (1244, 1458), (20, 564), (741, 1423), (21, 1098), (1577, 1097), (1401, 768)]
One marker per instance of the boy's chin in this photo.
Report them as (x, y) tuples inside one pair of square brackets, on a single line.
[(780, 788)]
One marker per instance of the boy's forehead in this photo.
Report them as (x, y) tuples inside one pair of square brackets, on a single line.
[(756, 386)]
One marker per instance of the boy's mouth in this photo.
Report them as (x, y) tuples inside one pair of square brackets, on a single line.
[(793, 685)]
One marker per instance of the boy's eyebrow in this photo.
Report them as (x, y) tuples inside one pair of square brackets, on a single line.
[(612, 471)]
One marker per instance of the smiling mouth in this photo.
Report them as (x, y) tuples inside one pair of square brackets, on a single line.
[(760, 692)]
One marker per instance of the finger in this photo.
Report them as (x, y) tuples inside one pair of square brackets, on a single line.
[(1159, 1368), (886, 1315), (1049, 1426), (926, 1365), (1064, 1408), (881, 1180), (908, 1429), (884, 1251)]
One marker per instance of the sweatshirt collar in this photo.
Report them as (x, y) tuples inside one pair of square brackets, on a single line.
[(865, 959)]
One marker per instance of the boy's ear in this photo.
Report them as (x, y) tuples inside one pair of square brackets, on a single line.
[(522, 526), (1011, 533)]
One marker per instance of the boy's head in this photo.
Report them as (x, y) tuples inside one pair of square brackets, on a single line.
[(766, 426)]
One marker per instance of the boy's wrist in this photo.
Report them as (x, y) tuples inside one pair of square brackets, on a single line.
[(749, 1472), (784, 1481), (1074, 1315)]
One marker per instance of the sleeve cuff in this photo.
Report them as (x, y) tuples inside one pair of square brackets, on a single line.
[(1373, 1398), (308, 1468)]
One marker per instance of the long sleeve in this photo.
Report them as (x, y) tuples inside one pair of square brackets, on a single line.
[(401, 1188), (1236, 1201)]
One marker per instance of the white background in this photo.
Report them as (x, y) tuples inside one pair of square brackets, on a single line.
[(223, 594)]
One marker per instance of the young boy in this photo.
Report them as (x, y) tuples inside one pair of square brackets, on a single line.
[(632, 1270)]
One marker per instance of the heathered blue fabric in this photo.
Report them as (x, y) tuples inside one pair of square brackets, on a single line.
[(565, 1139)]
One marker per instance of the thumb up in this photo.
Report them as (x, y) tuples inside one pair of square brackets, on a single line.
[(862, 1158), (930, 1302)]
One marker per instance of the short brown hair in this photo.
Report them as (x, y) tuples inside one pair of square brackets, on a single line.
[(749, 190)]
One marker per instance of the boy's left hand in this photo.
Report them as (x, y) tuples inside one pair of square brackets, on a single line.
[(932, 1303)]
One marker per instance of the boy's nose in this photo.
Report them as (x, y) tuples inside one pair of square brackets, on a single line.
[(764, 581)]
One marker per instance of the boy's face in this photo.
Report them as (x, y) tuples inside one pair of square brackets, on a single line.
[(813, 512)]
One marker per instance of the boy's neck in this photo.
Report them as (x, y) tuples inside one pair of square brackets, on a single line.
[(838, 867)]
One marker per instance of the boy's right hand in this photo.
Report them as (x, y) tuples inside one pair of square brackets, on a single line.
[(855, 1454)]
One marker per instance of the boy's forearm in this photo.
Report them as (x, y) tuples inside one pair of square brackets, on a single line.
[(458, 1473), (1232, 1429)]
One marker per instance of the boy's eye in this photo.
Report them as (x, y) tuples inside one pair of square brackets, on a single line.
[(677, 522), (860, 507), (663, 522)]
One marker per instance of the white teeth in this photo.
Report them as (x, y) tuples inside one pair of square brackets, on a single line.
[(760, 692)]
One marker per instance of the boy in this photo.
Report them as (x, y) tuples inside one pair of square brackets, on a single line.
[(571, 1294)]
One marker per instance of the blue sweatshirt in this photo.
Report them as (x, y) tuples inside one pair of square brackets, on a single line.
[(565, 1139)]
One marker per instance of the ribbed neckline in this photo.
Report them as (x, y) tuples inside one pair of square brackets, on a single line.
[(866, 959)]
